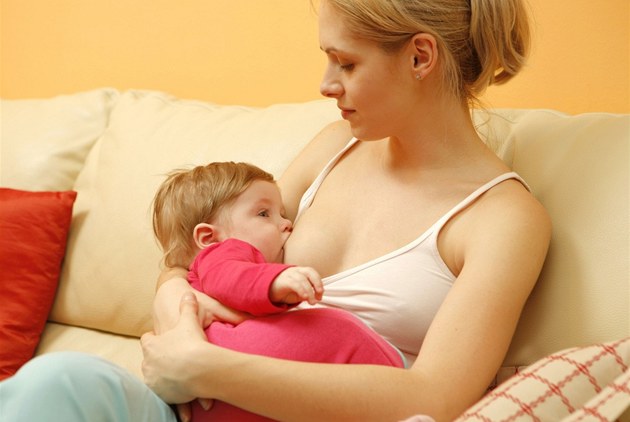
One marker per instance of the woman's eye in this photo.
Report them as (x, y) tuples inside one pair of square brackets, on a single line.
[(263, 213), (346, 67)]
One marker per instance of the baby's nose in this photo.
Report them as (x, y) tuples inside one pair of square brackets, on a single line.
[(287, 225)]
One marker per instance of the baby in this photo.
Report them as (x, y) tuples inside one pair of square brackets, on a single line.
[(225, 223)]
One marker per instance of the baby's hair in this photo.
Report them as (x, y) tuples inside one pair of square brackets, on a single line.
[(481, 42), (191, 196)]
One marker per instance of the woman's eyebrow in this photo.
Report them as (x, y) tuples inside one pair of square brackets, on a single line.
[(330, 50)]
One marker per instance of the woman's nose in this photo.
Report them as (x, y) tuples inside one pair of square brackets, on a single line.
[(330, 87)]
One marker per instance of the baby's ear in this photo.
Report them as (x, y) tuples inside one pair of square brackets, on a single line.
[(204, 235)]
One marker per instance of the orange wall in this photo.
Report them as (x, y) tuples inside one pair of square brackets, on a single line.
[(257, 52)]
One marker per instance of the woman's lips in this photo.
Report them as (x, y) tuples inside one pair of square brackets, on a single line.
[(345, 114)]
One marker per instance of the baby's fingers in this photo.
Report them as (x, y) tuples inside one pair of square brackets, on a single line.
[(316, 282), (316, 287)]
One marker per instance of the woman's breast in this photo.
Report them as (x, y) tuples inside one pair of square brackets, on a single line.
[(397, 294), (317, 246), (326, 239)]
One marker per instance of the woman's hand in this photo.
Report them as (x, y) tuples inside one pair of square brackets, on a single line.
[(166, 307), (157, 353), (167, 356)]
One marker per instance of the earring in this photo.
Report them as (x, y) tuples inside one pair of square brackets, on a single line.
[(418, 77)]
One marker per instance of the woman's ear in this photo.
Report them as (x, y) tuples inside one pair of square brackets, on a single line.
[(424, 53), (204, 235)]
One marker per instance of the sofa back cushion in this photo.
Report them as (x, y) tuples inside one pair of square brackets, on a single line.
[(578, 167), (45, 142), (111, 268)]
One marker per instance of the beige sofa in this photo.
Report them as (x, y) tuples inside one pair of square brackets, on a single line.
[(114, 147)]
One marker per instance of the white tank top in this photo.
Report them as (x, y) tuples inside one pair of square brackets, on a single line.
[(397, 294)]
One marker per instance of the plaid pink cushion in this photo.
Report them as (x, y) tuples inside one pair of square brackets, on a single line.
[(582, 383)]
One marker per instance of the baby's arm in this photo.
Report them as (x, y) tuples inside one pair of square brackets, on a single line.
[(237, 275), (296, 284)]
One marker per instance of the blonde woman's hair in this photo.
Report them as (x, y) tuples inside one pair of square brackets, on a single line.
[(481, 42), (191, 196)]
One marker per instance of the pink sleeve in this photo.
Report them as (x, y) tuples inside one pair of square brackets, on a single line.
[(236, 274)]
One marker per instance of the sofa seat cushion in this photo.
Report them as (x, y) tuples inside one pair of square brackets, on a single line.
[(124, 351)]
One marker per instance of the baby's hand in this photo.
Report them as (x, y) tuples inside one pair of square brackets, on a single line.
[(296, 284)]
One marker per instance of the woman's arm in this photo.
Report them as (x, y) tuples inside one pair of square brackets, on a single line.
[(501, 256), (179, 365)]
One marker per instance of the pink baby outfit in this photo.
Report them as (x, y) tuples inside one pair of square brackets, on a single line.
[(236, 273)]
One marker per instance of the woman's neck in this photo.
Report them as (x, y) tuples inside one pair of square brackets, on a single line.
[(439, 137)]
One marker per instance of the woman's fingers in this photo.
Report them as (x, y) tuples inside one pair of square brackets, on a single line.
[(188, 304), (185, 412), (213, 310), (165, 365)]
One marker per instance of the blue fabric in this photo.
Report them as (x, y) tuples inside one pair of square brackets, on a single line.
[(73, 387)]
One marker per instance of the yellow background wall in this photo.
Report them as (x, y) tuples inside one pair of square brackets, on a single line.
[(258, 52)]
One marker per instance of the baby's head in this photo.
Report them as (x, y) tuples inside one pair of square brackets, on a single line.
[(198, 195)]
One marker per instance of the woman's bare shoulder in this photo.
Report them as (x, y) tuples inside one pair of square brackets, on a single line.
[(514, 218), (506, 219), (512, 204), (513, 198), (328, 142), (310, 161)]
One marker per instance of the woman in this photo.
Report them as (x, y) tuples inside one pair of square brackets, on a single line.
[(404, 74), (418, 219)]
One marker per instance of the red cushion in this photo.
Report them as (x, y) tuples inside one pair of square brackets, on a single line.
[(33, 231)]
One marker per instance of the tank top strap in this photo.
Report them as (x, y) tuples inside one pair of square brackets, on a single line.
[(309, 194), (476, 194)]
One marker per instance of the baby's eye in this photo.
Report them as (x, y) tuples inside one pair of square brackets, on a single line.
[(263, 213)]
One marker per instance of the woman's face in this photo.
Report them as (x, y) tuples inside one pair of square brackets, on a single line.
[(374, 89)]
